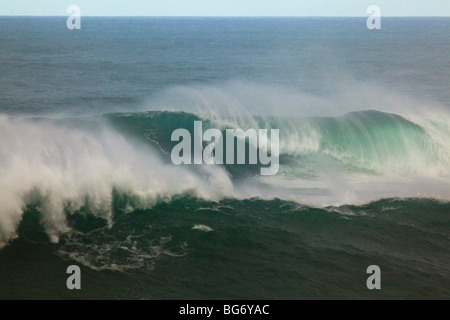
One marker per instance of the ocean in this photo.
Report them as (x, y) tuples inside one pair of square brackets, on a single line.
[(86, 177)]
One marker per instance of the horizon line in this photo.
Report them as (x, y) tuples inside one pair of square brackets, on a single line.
[(205, 16)]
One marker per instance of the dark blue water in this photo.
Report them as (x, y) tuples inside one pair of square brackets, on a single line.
[(120, 62)]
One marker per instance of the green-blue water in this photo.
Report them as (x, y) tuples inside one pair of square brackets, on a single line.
[(86, 177)]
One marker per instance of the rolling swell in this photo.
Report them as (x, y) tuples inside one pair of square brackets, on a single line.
[(64, 166)]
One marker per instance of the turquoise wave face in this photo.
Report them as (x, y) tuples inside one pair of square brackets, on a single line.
[(371, 141)]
